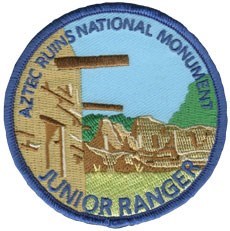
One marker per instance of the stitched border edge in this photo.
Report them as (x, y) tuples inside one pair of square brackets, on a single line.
[(114, 222)]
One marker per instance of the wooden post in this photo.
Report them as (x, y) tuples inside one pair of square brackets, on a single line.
[(84, 62), (103, 107)]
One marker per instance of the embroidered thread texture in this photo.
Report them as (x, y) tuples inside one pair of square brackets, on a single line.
[(117, 114)]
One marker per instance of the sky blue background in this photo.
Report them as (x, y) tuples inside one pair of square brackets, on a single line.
[(156, 81)]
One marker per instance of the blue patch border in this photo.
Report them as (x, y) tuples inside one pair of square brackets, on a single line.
[(114, 222)]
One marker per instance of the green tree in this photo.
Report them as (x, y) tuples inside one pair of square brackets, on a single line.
[(91, 123), (127, 122), (191, 113), (90, 126)]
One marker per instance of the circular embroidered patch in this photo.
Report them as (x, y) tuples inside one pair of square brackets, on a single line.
[(115, 114)]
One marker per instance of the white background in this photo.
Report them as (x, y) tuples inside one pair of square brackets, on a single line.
[(21, 208)]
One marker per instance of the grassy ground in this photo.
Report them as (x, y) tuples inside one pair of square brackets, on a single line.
[(119, 185)]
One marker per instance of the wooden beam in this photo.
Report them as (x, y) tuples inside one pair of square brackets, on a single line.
[(85, 62), (102, 107), (51, 120), (24, 133)]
